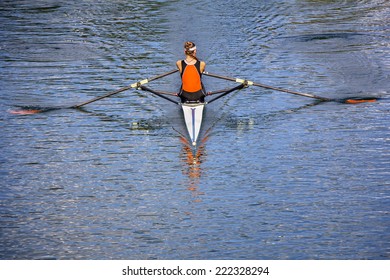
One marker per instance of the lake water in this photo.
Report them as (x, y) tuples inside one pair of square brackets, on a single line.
[(277, 176)]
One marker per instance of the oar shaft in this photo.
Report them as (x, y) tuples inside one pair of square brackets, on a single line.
[(101, 97), (292, 92), (134, 85), (162, 75), (250, 83)]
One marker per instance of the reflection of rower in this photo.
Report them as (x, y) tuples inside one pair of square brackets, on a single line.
[(191, 69), (192, 167)]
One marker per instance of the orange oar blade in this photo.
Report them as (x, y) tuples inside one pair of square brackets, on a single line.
[(31, 110), (357, 101), (25, 112)]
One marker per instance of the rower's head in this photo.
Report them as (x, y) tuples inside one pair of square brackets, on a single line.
[(190, 49)]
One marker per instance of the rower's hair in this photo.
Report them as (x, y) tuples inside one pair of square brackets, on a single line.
[(187, 46)]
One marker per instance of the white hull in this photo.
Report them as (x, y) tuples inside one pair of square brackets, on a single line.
[(193, 114)]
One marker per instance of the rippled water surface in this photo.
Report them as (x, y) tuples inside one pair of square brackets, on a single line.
[(277, 176)]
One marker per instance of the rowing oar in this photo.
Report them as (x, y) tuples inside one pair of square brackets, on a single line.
[(134, 85), (250, 83), (29, 110)]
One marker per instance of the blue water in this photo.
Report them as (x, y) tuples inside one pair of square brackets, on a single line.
[(277, 176)]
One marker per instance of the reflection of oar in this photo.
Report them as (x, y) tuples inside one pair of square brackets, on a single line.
[(250, 83), (135, 85), (27, 110)]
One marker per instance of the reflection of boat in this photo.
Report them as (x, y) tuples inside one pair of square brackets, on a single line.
[(192, 159), (193, 114)]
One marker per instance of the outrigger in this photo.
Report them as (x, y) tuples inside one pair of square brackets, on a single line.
[(193, 111)]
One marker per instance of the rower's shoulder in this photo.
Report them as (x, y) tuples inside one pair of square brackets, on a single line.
[(178, 64), (202, 66)]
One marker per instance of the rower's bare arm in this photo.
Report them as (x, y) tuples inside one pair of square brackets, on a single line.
[(202, 66), (178, 65)]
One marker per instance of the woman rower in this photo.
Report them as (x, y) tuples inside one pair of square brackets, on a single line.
[(191, 69)]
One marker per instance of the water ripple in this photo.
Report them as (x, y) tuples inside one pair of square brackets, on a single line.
[(276, 176)]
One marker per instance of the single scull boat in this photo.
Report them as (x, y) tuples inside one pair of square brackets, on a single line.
[(193, 114)]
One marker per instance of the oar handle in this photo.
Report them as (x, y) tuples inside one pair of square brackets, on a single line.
[(250, 83), (134, 85)]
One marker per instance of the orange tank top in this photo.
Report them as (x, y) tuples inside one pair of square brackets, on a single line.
[(191, 77)]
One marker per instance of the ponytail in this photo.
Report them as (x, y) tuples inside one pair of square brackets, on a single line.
[(189, 49)]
